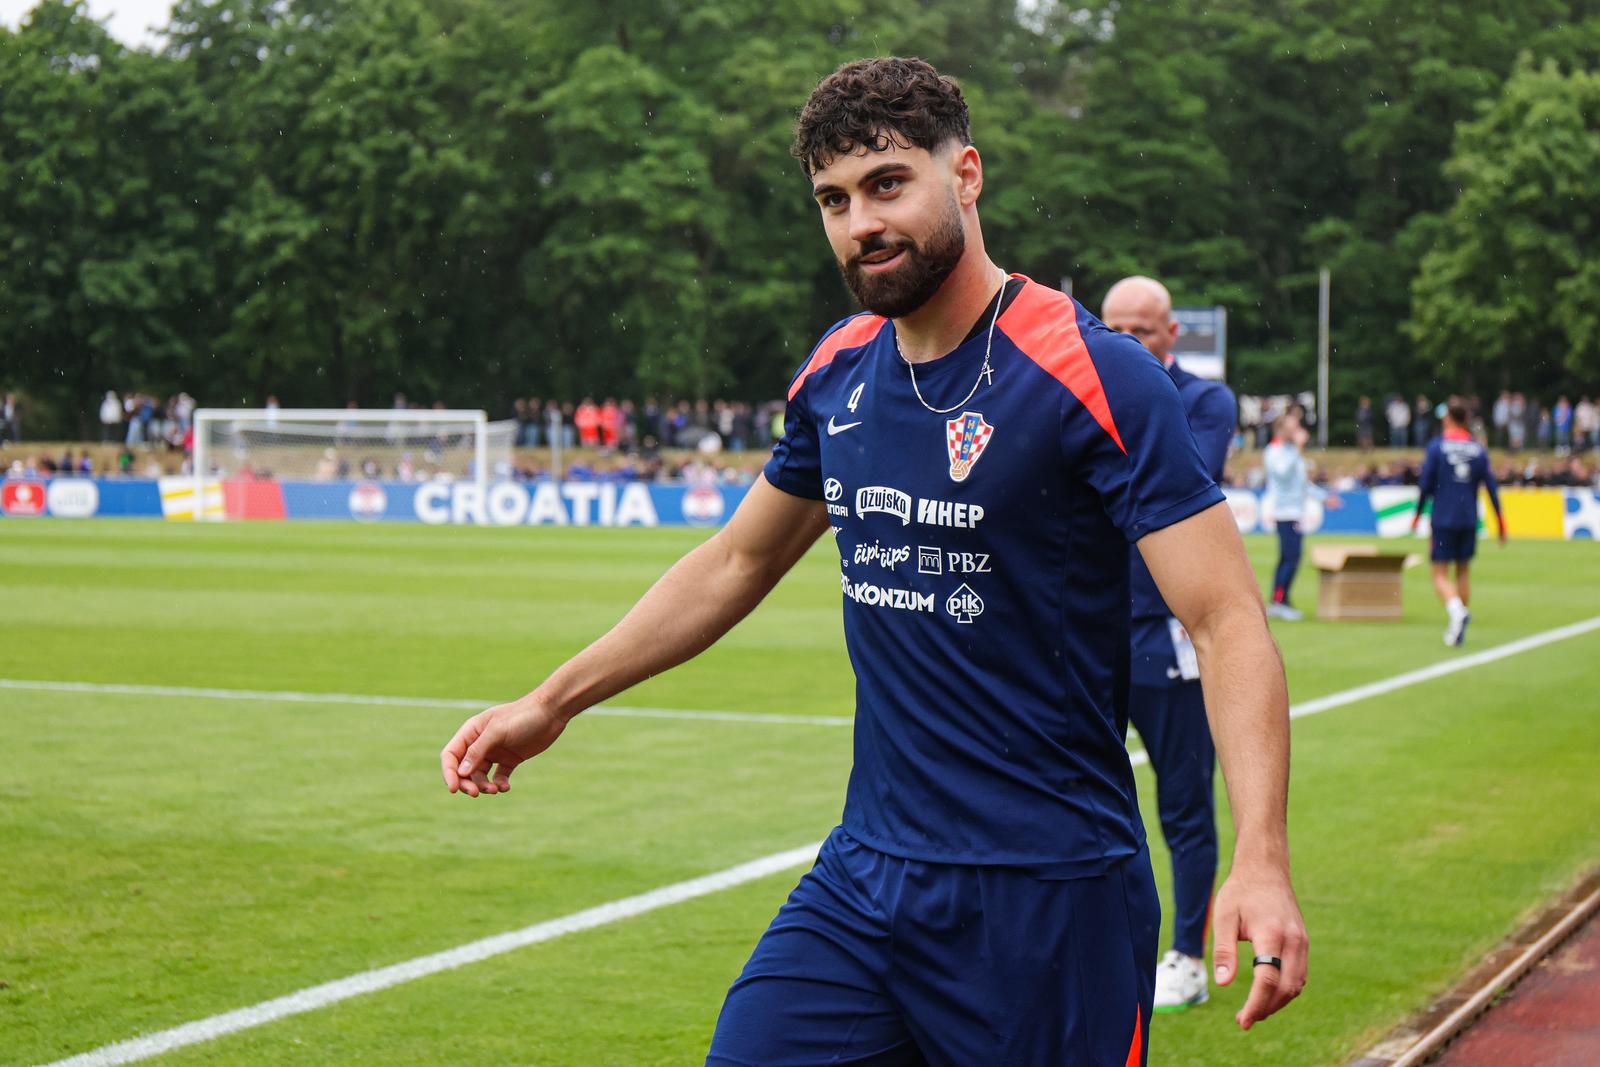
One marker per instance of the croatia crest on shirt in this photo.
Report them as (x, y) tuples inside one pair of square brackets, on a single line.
[(967, 434)]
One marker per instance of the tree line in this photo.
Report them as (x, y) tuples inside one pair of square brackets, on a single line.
[(471, 200)]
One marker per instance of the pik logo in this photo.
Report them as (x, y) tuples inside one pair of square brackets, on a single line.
[(966, 435), (964, 605)]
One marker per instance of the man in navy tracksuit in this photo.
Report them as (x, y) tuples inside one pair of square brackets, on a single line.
[(1453, 469), (1164, 703)]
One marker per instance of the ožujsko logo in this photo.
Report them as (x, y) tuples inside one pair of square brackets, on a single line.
[(966, 435), (882, 498)]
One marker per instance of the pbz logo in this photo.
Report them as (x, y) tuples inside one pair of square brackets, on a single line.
[(964, 605)]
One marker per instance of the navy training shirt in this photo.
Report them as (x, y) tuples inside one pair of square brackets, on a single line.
[(1211, 411), (984, 564), (1452, 469)]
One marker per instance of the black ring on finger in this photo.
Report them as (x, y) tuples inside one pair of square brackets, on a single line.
[(1267, 961)]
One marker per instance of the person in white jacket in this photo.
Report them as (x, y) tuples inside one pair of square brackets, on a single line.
[(1288, 486), (110, 418)]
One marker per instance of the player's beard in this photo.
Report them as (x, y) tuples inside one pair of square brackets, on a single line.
[(911, 284)]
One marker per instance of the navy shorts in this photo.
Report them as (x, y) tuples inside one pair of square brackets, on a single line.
[(880, 960), (1452, 546)]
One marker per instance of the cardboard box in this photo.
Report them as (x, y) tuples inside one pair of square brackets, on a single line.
[(1359, 582)]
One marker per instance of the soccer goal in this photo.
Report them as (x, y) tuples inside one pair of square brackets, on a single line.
[(355, 444)]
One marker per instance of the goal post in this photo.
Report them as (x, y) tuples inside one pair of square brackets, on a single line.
[(338, 444)]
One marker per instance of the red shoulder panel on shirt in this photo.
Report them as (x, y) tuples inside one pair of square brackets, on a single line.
[(853, 334), (1044, 324)]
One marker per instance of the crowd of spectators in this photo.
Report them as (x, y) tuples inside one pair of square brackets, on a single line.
[(1570, 470), (711, 440), (1568, 432), (1258, 413), (1512, 421), (139, 420), (126, 464), (623, 426)]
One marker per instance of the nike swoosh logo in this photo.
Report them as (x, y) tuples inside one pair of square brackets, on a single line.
[(833, 428)]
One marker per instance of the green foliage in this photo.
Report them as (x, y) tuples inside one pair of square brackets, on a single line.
[(1511, 287), (472, 199)]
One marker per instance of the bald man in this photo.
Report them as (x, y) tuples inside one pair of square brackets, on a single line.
[(1164, 703)]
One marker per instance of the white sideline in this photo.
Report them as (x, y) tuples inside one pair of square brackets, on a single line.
[(1449, 666), (290, 697), (321, 996)]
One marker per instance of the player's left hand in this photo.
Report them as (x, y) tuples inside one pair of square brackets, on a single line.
[(1257, 904)]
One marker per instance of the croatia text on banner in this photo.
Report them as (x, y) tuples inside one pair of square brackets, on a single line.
[(433, 503), (514, 503), (1385, 511)]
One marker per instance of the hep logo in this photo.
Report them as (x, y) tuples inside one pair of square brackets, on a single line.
[(964, 605)]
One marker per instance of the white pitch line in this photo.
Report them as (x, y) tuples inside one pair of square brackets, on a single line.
[(320, 996), (1449, 666), (315, 997), (1424, 674), (290, 697), (1310, 707)]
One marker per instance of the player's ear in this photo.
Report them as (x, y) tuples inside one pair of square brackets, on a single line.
[(967, 167)]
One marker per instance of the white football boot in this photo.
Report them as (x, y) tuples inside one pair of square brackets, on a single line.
[(1180, 982), (1456, 633)]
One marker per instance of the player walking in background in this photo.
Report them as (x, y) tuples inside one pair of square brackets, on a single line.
[(985, 451), (1288, 485), (1452, 470), (1165, 701)]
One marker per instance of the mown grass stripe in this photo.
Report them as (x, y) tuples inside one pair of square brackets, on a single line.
[(315, 997)]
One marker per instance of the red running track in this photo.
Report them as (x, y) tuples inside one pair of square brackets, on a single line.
[(1550, 1019)]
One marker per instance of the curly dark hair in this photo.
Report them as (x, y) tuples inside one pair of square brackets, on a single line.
[(878, 102)]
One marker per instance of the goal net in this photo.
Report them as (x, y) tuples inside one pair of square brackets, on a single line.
[(349, 444)]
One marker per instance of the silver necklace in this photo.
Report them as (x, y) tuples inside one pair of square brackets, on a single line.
[(985, 372)]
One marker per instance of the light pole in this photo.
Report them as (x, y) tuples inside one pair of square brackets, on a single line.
[(1324, 284)]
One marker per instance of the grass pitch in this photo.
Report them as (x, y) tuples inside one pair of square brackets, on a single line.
[(169, 858)]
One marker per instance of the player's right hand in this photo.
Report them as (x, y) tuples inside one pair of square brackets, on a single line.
[(1257, 904), (493, 743)]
